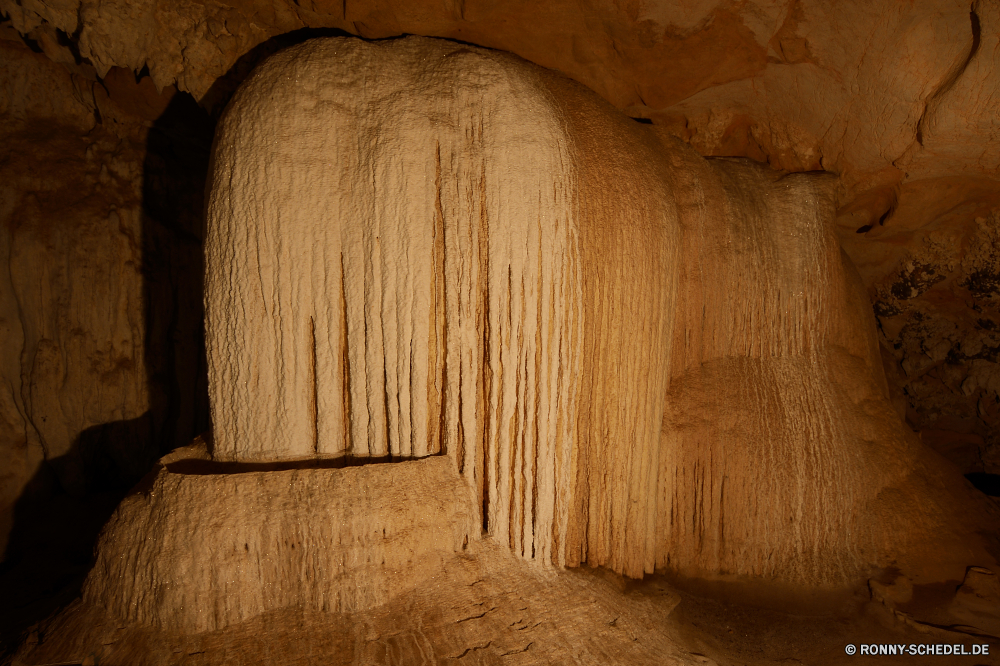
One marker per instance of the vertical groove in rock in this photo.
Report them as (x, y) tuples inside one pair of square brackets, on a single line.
[(484, 319), (436, 444), (315, 384), (345, 365)]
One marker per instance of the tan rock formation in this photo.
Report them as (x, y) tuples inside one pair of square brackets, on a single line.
[(716, 406), (635, 357), (412, 281), (883, 91), (199, 550), (897, 99), (485, 607)]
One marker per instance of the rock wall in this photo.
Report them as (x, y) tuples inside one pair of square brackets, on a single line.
[(637, 358), (890, 93), (934, 289), (100, 295), (897, 99)]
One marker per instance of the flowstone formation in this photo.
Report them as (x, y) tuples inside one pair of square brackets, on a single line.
[(599, 347), (898, 100), (636, 358)]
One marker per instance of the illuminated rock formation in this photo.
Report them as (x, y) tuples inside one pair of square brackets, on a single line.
[(635, 357), (408, 255), (551, 322), (322, 540)]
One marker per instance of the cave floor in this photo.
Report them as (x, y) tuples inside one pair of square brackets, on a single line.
[(487, 607)]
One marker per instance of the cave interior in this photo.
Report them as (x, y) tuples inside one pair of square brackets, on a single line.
[(753, 411)]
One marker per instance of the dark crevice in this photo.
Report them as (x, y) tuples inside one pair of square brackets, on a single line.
[(345, 361), (522, 650), (472, 649), (441, 301), (32, 44), (385, 404), (476, 617), (486, 376), (988, 484), (70, 43), (315, 386), (197, 467), (885, 216), (977, 34), (949, 83)]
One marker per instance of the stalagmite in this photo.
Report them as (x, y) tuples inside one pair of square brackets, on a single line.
[(607, 349)]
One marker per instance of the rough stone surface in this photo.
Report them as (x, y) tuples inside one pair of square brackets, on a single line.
[(69, 362), (935, 295), (417, 246), (898, 99), (879, 89), (429, 292), (101, 288), (482, 606), (198, 549), (489, 607)]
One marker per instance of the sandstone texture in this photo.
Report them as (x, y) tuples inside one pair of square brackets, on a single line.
[(419, 247)]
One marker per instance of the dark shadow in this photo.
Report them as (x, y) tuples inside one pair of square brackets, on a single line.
[(173, 193), (58, 517), (207, 467), (988, 484)]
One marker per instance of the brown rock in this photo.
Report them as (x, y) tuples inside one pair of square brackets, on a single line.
[(197, 550), (81, 386), (898, 99), (895, 99), (687, 376)]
